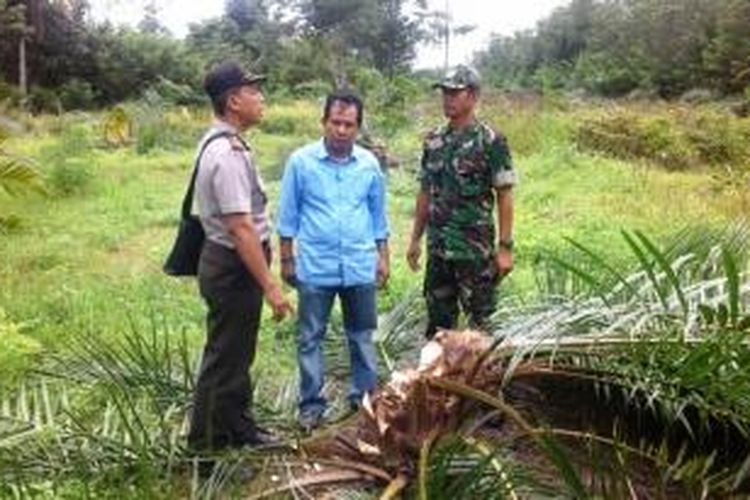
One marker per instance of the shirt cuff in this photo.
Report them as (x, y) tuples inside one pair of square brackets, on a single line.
[(237, 208), (505, 178), (286, 233)]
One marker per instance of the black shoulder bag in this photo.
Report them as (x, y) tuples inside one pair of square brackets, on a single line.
[(186, 251)]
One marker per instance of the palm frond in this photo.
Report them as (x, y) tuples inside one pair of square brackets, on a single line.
[(401, 331), (134, 361), (137, 384), (17, 178)]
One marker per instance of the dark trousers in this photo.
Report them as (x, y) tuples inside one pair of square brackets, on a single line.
[(222, 402), (472, 283)]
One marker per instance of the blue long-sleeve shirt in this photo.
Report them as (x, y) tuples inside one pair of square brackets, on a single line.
[(336, 212)]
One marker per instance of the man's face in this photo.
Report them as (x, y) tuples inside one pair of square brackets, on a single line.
[(248, 102), (341, 128), (458, 103)]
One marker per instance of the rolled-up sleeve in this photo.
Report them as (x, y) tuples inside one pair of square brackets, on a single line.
[(377, 204), (231, 183), (287, 225), (501, 163)]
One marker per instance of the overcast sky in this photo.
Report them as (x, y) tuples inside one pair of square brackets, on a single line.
[(489, 16)]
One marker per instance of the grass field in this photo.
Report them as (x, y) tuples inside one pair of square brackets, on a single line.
[(87, 263), (90, 262)]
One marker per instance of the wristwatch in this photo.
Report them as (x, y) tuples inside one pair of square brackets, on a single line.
[(506, 244)]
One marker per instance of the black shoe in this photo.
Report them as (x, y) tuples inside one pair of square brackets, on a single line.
[(308, 422), (259, 438), (205, 466)]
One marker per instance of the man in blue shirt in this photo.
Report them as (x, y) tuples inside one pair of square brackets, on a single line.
[(333, 208)]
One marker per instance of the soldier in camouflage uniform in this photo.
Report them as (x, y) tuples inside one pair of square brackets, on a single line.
[(466, 171)]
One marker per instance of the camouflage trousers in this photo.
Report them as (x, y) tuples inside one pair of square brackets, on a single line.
[(470, 283)]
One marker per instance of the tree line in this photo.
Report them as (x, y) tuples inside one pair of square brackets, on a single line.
[(613, 47), (53, 56), (50, 50)]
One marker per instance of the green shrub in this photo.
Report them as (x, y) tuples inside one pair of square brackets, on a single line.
[(148, 137), (71, 176), (599, 73), (391, 106), (676, 138), (117, 127), (149, 122), (298, 118), (630, 135), (70, 160), (42, 100), (552, 76), (178, 94), (312, 89), (719, 139), (659, 139), (16, 351), (158, 126), (9, 94), (280, 123), (77, 94)]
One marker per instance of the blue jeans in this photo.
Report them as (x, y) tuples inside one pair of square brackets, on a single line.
[(360, 321)]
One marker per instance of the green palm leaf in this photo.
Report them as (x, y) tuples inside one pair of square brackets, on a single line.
[(733, 286), (17, 178), (666, 268)]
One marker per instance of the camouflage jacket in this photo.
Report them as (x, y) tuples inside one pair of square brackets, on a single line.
[(460, 170)]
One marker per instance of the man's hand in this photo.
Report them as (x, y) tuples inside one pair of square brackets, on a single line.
[(413, 253), (279, 304), (383, 272), (504, 261), (288, 271)]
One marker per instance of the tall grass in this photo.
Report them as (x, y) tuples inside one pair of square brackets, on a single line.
[(674, 137), (83, 268)]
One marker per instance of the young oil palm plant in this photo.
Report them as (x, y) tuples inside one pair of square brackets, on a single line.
[(634, 386), (17, 176), (109, 414), (620, 391)]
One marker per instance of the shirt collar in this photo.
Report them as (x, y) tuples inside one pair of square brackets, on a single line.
[(321, 153), (222, 126), (449, 130)]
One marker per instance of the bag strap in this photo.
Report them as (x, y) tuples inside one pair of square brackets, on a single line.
[(187, 201)]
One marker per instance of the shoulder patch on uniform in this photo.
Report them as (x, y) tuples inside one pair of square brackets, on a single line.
[(488, 132), (236, 143)]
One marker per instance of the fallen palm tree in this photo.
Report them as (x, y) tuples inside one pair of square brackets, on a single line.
[(615, 395), (550, 429)]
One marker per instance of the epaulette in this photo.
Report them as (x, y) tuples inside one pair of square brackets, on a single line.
[(237, 143)]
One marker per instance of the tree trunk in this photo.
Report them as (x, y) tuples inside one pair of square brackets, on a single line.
[(447, 40), (22, 79)]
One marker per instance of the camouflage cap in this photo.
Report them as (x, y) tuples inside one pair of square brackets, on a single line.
[(462, 77)]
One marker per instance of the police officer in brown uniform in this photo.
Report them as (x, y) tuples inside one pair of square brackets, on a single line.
[(233, 272)]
